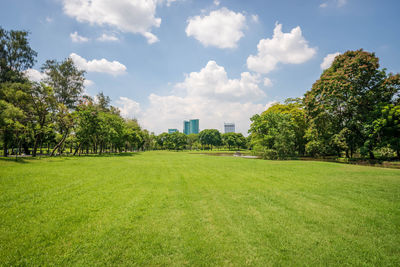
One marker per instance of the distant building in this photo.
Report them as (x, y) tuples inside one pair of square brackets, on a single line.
[(170, 131), (229, 127), (186, 127), (194, 126), (191, 126)]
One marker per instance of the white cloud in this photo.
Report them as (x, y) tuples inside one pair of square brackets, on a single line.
[(323, 5), (328, 59), (35, 75), (88, 83), (76, 38), (107, 38), (254, 18), (134, 16), (128, 107), (222, 28), (49, 19), (212, 82), (98, 65), (169, 112), (207, 95), (287, 48), (267, 82), (216, 2)]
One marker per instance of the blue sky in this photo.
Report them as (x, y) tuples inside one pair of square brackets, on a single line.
[(164, 61)]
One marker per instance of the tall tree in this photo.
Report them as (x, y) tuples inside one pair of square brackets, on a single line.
[(16, 55), (345, 97), (66, 80)]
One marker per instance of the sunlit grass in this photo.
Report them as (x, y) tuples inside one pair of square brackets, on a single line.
[(176, 208)]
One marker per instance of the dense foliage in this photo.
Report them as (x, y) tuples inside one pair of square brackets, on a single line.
[(54, 114), (352, 109)]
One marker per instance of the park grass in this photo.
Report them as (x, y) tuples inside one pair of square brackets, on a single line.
[(176, 208)]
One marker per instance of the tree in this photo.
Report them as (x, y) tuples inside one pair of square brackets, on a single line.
[(42, 102), (211, 137), (9, 123), (229, 139), (66, 81), (178, 140), (345, 97), (192, 139), (15, 55), (386, 128), (272, 135), (64, 122), (295, 108)]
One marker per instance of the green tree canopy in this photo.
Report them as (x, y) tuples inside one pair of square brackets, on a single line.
[(16, 55)]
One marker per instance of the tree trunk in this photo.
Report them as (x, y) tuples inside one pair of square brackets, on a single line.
[(77, 149), (371, 154), (26, 149), (5, 151), (58, 146), (35, 145)]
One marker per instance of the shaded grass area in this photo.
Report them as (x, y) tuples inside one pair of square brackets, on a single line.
[(176, 208)]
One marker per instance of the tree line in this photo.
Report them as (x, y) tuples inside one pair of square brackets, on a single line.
[(206, 139), (352, 110), (54, 115)]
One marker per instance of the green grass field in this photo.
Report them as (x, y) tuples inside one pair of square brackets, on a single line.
[(176, 208)]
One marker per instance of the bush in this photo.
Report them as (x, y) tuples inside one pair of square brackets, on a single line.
[(270, 154), (385, 152)]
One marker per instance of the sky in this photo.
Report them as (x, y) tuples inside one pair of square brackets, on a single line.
[(166, 61)]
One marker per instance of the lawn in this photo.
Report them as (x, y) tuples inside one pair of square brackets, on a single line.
[(176, 208)]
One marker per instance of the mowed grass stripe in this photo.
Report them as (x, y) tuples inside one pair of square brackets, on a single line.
[(176, 208)]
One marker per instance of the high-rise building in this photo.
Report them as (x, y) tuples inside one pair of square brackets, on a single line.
[(194, 126), (170, 131), (191, 126), (186, 127), (229, 127)]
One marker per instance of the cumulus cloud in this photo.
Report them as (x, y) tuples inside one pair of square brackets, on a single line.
[(107, 38), (267, 82), (169, 112), (35, 75), (216, 2), (287, 48), (222, 28), (134, 16), (208, 95), (98, 65), (128, 107), (76, 38), (212, 82), (328, 59)]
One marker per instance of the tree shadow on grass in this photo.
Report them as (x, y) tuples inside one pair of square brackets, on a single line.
[(16, 160), (108, 155), (58, 158)]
